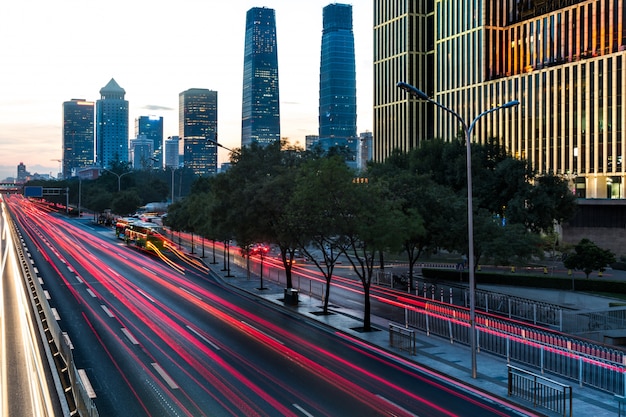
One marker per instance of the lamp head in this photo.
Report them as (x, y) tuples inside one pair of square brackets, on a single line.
[(412, 90)]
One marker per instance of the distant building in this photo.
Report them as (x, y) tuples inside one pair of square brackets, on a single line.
[(141, 151), (260, 120), (310, 141), (172, 158), (365, 151), (337, 94), (152, 128), (111, 126), (78, 136), (197, 127), (22, 174)]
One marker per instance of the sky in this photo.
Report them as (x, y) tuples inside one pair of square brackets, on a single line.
[(55, 51)]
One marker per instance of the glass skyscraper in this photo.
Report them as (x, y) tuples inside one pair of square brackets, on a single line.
[(197, 127), (111, 126), (152, 128), (78, 135), (260, 121), (564, 61), (337, 96)]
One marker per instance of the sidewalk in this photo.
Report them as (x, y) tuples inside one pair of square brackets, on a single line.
[(433, 353)]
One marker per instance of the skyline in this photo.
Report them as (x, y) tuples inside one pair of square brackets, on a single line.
[(154, 58)]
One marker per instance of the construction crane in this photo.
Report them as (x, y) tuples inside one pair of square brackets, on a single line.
[(60, 172)]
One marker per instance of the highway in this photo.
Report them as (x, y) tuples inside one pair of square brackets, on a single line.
[(170, 339), (27, 384)]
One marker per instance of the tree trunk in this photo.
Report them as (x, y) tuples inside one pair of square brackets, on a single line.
[(367, 311)]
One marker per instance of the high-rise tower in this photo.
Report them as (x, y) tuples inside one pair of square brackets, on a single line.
[(564, 61), (337, 101), (152, 128), (111, 126), (403, 51), (260, 120), (78, 135), (197, 127)]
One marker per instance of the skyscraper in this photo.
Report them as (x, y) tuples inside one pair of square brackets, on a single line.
[(152, 128), (260, 120), (197, 127), (78, 135), (403, 51), (337, 100), (111, 126), (564, 61)]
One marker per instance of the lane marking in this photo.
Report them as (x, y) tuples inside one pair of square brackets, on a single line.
[(41, 280), (190, 293), (91, 393), (302, 410), (396, 405), (55, 313), (80, 281), (47, 294), (129, 336), (149, 270), (203, 338), (106, 310), (263, 333), (91, 293), (68, 341), (168, 379), (145, 295)]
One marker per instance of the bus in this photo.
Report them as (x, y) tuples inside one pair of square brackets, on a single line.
[(121, 224), (145, 235)]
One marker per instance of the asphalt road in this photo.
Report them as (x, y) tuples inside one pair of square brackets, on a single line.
[(158, 339)]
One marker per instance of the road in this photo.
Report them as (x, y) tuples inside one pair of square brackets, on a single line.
[(27, 385), (171, 339)]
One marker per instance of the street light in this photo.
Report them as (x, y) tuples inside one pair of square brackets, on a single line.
[(470, 215), (119, 177)]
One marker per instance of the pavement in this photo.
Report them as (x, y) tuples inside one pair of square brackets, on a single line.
[(438, 354)]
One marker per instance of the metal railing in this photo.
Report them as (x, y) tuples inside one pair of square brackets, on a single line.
[(542, 392), (402, 338)]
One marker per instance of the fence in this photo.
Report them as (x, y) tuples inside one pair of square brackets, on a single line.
[(542, 392), (77, 393), (402, 338), (546, 350)]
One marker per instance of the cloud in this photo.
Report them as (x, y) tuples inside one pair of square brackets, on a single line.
[(156, 107)]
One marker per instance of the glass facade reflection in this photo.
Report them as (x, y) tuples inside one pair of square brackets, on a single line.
[(564, 62), (260, 120)]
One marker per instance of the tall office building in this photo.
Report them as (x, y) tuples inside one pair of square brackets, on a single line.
[(141, 151), (78, 136), (171, 152), (260, 120), (337, 99), (403, 51), (197, 127), (152, 128), (564, 62), (111, 126)]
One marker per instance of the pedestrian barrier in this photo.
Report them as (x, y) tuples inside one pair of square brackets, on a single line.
[(402, 338), (541, 391)]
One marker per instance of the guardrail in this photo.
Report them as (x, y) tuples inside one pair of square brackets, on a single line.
[(76, 392), (541, 391), (402, 338)]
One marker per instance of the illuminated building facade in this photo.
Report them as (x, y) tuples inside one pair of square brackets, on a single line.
[(260, 121), (563, 60), (111, 126), (337, 96), (78, 136), (197, 128), (152, 128)]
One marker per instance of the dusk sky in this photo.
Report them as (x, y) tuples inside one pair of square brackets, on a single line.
[(51, 52)]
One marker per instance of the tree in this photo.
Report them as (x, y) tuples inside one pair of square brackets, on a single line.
[(588, 257), (373, 222), (315, 210), (125, 202)]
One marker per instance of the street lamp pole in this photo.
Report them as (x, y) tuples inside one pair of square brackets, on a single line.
[(119, 177), (470, 210)]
